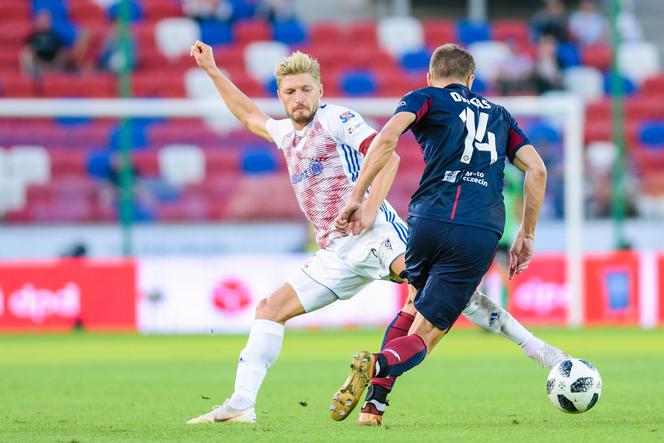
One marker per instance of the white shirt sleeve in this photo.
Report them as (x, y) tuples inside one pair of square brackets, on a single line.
[(346, 126), (278, 130)]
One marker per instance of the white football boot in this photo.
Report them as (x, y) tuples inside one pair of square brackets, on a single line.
[(226, 413), (549, 356)]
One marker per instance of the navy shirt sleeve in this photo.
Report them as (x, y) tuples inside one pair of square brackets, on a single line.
[(516, 139), (416, 102)]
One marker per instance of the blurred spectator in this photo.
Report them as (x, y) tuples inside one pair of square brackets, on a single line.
[(628, 25), (515, 76), (44, 50), (201, 10), (587, 25), (551, 21), (547, 67), (111, 57), (276, 10)]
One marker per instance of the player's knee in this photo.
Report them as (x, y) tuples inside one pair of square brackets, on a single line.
[(268, 309)]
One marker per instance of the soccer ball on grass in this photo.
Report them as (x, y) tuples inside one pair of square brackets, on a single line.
[(574, 385)]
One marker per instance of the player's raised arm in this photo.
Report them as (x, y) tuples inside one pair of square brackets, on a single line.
[(381, 150), (239, 104), (528, 160)]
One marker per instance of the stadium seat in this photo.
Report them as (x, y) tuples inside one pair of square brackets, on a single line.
[(438, 32), (214, 32), (290, 32), (361, 33), (258, 160), (325, 33), (251, 31), (510, 31), (489, 56), (15, 11), (584, 81), (653, 86), (568, 55), (159, 9), (146, 163), (86, 11), (469, 32), (14, 84), (67, 162), (222, 163), (29, 164), (182, 164), (638, 60), (358, 83), (198, 85), (135, 11), (174, 36), (651, 134), (628, 86), (542, 132), (597, 56), (57, 8), (600, 156), (243, 9), (416, 60), (260, 58), (156, 83), (399, 35), (74, 85)]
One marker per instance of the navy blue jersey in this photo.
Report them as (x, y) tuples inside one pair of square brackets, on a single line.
[(464, 139)]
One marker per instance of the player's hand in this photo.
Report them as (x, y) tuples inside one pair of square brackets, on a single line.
[(367, 218), (521, 253), (349, 217), (202, 53)]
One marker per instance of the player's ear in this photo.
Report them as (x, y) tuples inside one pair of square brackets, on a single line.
[(429, 79), (469, 81)]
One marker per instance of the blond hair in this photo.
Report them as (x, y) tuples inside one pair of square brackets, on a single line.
[(298, 63), (451, 61)]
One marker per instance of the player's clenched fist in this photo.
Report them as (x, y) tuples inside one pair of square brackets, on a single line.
[(202, 53)]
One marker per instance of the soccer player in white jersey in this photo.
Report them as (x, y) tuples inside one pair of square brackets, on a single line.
[(324, 146)]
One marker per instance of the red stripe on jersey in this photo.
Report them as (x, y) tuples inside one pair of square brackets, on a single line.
[(514, 141), (456, 200), (364, 146), (423, 110)]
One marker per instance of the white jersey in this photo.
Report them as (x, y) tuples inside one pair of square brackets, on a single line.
[(324, 161)]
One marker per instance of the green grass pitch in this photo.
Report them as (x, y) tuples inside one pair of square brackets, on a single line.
[(474, 387)]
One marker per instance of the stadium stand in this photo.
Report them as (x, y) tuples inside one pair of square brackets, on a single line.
[(224, 177)]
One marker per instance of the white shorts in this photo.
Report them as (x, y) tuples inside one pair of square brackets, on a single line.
[(341, 270)]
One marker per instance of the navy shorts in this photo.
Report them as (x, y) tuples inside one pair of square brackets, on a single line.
[(445, 262)]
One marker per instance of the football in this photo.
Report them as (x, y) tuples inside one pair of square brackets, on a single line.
[(574, 385)]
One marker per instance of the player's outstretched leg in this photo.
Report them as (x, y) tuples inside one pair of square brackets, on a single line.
[(375, 402), (486, 314), (261, 351)]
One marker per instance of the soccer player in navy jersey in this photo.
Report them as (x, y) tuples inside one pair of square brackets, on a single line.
[(457, 214)]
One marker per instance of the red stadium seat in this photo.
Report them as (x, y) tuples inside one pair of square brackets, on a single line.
[(367, 57), (67, 162), (14, 84), (510, 30), (361, 33), (230, 57), (156, 83), (248, 31), (220, 163), (14, 33), (14, 12), (438, 32), (644, 108), (86, 12), (598, 56), (72, 85), (326, 33), (158, 9), (654, 86), (146, 163)]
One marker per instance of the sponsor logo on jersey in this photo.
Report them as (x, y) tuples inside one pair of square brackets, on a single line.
[(450, 176), (315, 168), (475, 177), (346, 116), (351, 129)]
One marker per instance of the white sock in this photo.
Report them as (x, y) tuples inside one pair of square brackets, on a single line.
[(261, 351), (488, 315)]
